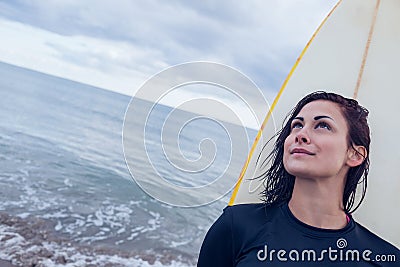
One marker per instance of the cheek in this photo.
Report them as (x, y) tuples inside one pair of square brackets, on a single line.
[(337, 148), (286, 146)]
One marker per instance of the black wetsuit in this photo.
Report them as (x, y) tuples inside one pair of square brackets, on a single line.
[(251, 235)]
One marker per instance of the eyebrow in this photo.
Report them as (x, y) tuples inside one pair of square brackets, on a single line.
[(299, 118), (322, 117), (315, 118)]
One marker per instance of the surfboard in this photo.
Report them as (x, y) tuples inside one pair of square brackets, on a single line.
[(354, 52)]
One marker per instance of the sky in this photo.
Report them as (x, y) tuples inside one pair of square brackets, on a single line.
[(118, 45)]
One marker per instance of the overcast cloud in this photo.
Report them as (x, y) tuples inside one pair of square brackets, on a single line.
[(260, 38)]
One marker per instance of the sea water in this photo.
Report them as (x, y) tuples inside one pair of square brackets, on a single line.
[(66, 194)]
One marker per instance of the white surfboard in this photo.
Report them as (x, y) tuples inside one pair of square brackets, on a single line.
[(355, 52)]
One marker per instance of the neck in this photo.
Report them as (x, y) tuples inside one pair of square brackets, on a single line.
[(318, 203)]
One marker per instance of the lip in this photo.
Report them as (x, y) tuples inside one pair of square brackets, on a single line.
[(301, 151)]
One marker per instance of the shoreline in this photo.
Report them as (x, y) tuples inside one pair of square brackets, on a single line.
[(33, 241)]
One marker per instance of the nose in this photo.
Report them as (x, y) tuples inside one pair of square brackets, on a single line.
[(302, 137)]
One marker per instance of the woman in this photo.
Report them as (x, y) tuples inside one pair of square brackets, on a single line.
[(320, 156)]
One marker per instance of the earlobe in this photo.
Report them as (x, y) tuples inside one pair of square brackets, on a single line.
[(356, 156)]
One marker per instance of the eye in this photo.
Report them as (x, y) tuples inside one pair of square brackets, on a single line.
[(323, 125), (297, 125)]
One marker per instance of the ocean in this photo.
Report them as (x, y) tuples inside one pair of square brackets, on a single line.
[(67, 197)]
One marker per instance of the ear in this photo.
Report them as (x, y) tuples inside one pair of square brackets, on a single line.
[(356, 155)]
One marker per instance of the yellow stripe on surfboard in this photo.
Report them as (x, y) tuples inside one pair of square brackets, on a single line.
[(244, 169)]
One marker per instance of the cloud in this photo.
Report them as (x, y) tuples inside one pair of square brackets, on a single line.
[(114, 41), (209, 89), (108, 64)]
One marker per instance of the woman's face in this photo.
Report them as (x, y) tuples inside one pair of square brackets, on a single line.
[(317, 146)]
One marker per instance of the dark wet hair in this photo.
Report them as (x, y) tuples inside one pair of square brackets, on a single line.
[(279, 183)]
